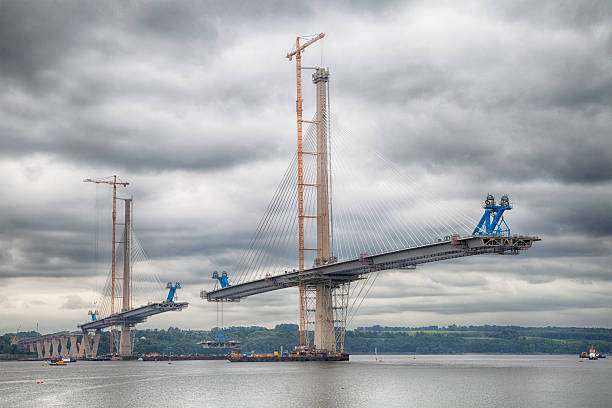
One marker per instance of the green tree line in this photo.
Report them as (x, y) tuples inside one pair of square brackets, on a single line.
[(420, 340)]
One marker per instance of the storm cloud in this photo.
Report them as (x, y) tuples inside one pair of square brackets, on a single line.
[(193, 103)]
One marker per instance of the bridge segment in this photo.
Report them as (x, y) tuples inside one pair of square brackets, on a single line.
[(133, 316), (82, 344), (55, 345), (354, 269)]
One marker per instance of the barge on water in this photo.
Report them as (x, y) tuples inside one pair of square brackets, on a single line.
[(314, 355)]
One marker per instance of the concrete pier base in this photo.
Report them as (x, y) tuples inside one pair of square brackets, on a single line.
[(55, 348), (81, 349), (39, 349), (125, 347), (47, 349), (85, 346), (64, 351), (96, 342), (74, 350), (324, 336)]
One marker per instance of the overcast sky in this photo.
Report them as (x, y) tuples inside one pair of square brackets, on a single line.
[(193, 103)]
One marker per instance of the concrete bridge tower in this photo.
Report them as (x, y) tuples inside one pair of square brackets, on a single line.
[(324, 336), (125, 347)]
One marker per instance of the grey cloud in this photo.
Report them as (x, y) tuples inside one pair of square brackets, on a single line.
[(75, 302), (561, 14), (177, 97)]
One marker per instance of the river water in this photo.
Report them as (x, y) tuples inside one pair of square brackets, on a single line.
[(397, 381)]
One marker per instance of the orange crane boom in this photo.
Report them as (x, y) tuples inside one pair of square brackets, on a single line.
[(298, 73), (299, 48)]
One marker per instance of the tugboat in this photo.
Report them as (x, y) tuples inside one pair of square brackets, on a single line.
[(591, 355)]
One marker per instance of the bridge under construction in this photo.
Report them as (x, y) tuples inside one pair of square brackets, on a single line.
[(302, 216), (84, 343), (324, 288)]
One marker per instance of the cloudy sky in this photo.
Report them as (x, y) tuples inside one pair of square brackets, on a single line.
[(193, 103)]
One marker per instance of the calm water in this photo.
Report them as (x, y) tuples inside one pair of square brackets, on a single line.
[(399, 381)]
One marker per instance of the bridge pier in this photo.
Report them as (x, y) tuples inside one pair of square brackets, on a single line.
[(31, 347), (39, 349), (85, 345), (55, 347), (74, 351), (47, 349), (324, 336), (96, 342), (125, 346), (81, 349), (64, 351)]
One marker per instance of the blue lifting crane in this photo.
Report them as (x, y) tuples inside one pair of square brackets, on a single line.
[(220, 341), (172, 291), (93, 314), (492, 222), (223, 281)]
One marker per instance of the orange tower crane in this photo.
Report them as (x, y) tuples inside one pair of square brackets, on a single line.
[(114, 183), (298, 73)]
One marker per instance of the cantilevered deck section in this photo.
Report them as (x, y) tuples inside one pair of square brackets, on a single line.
[(133, 316), (351, 270)]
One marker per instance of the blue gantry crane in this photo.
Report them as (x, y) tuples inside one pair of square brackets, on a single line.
[(220, 341), (172, 291), (492, 222), (223, 281)]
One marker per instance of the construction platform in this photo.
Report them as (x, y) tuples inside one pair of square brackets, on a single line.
[(264, 358)]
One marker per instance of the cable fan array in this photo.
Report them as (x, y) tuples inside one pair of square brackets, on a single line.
[(145, 282), (374, 208)]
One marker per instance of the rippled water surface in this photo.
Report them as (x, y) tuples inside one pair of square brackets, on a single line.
[(399, 381)]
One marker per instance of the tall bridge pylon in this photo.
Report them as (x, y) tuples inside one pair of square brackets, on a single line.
[(297, 52)]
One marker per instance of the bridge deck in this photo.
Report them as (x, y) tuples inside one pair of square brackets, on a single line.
[(29, 340), (401, 259), (133, 316)]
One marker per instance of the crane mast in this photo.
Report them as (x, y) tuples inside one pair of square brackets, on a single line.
[(297, 52), (114, 183)]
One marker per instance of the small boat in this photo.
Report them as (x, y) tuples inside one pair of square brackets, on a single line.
[(591, 355), (57, 363)]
